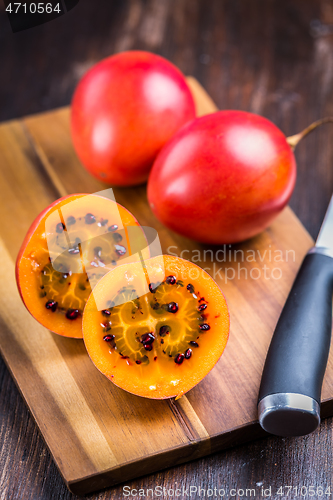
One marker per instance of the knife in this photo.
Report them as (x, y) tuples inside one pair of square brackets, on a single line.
[(289, 395)]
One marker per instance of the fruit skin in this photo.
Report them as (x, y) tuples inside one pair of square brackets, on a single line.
[(222, 178), (204, 355), (124, 110), (28, 294)]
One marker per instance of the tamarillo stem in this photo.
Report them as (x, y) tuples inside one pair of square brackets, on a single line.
[(293, 140)]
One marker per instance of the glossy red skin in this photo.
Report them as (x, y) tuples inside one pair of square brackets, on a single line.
[(222, 178), (124, 110)]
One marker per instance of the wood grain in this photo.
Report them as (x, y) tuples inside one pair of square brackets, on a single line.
[(98, 434)]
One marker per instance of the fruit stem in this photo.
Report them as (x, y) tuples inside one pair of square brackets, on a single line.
[(293, 140)]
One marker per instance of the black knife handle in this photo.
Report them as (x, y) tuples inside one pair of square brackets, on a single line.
[(289, 395)]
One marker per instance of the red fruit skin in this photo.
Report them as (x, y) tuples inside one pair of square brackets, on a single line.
[(222, 178), (124, 110)]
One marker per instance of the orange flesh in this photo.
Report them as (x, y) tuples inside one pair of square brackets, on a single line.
[(64, 255), (123, 309)]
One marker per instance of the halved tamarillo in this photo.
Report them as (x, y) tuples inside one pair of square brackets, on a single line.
[(70, 246), (156, 331)]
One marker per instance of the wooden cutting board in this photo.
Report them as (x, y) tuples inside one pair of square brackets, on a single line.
[(98, 434)]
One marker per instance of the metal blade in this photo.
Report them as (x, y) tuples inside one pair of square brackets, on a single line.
[(325, 237)]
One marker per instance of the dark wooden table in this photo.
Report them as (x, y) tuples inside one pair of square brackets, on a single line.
[(273, 57)]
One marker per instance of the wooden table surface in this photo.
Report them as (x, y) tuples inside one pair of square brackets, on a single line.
[(273, 57)]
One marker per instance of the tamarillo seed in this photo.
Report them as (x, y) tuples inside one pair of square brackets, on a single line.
[(112, 228), (72, 314), (188, 353), (193, 343), (120, 250), (89, 218), (106, 312), (117, 237), (60, 227), (148, 347), (104, 222), (179, 358), (204, 327), (202, 307), (171, 280), (51, 305), (172, 307), (106, 326), (164, 330), (70, 221), (151, 287), (190, 288), (109, 338), (138, 362), (147, 338), (98, 251)]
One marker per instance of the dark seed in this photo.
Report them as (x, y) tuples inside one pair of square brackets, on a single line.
[(193, 343), (147, 338), (90, 219), (106, 326), (106, 312), (155, 305), (179, 358), (72, 313), (190, 288), (124, 357), (202, 299), (108, 338), (71, 220), (52, 305), (113, 228), (204, 327), (117, 237), (164, 330), (74, 250), (202, 307), (98, 251), (138, 362), (60, 227), (162, 341), (171, 280), (104, 222), (172, 307), (188, 353), (120, 250), (148, 347), (155, 358), (151, 287)]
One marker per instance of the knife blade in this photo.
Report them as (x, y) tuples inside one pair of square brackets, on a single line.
[(290, 390)]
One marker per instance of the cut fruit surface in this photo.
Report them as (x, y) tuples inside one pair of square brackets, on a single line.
[(70, 246), (156, 331)]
